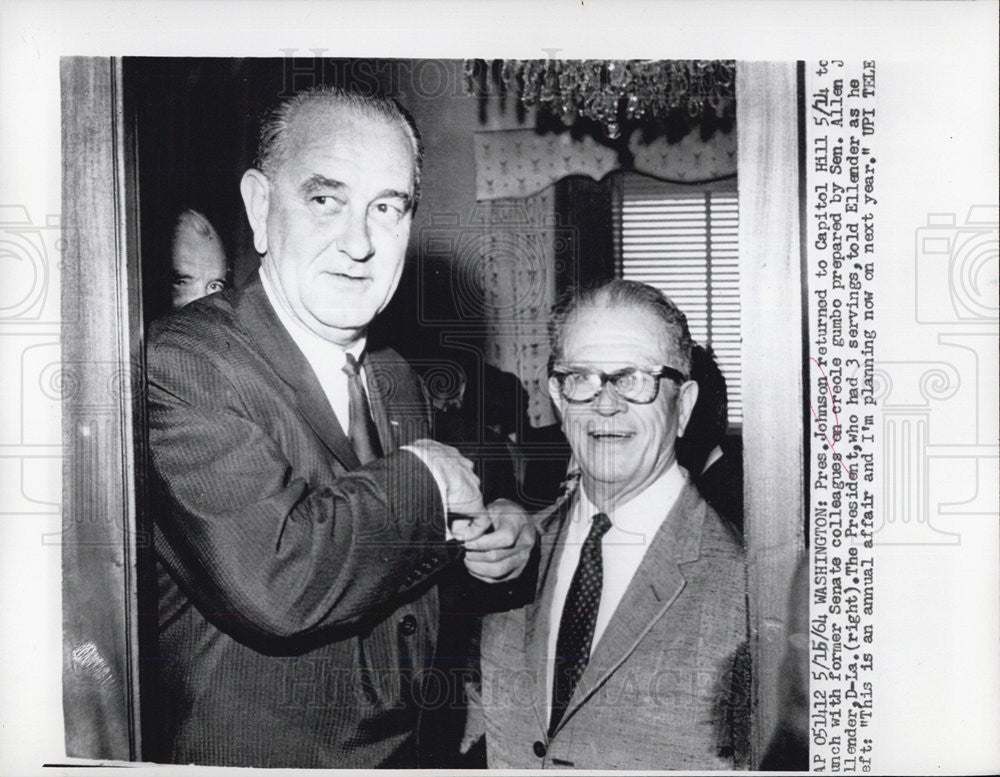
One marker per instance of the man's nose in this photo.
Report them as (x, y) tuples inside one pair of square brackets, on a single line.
[(356, 240), (608, 402)]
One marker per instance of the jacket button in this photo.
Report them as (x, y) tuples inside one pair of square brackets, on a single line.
[(539, 748), (408, 626)]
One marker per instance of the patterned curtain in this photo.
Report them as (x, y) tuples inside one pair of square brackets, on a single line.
[(518, 279), (517, 163)]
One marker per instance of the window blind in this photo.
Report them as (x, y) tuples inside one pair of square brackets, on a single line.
[(685, 243)]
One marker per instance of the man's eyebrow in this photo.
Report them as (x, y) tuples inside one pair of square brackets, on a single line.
[(592, 367), (397, 195), (317, 182)]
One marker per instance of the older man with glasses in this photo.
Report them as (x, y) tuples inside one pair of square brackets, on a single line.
[(632, 654)]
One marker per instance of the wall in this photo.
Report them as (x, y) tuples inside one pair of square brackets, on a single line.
[(442, 298)]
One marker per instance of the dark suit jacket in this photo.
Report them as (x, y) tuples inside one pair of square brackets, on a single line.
[(721, 485), (664, 688), (297, 606)]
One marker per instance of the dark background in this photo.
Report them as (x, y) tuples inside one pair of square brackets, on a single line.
[(198, 121)]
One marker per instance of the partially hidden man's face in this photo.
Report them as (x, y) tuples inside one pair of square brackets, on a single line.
[(333, 223), (621, 447), (197, 262)]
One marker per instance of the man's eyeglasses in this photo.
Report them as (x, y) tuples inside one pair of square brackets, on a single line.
[(640, 387)]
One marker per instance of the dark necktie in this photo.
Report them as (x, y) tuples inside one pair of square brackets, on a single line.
[(579, 617), (361, 427)]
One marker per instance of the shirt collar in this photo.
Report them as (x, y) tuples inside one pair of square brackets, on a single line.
[(657, 500), (644, 512), (311, 344)]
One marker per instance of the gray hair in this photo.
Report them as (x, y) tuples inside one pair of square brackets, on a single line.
[(194, 225), (272, 147), (622, 294)]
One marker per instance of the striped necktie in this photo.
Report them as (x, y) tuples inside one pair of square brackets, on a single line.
[(361, 426)]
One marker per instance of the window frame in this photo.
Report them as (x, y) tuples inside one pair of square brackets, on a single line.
[(732, 368)]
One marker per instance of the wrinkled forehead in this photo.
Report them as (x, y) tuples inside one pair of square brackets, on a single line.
[(614, 336), (191, 251), (330, 128)]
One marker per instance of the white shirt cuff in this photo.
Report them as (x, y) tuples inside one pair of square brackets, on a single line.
[(444, 502)]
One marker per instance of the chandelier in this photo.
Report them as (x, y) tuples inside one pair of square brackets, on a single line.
[(612, 92)]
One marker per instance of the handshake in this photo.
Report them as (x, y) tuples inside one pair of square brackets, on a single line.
[(498, 539)]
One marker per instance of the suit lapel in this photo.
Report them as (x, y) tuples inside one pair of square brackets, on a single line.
[(536, 630), (399, 410), (377, 401), (277, 347), (654, 588)]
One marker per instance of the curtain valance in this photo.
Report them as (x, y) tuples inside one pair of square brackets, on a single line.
[(519, 163)]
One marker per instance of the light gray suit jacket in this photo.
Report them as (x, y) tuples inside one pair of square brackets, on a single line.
[(667, 685)]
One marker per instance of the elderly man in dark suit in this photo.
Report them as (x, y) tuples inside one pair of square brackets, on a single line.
[(307, 521), (630, 655)]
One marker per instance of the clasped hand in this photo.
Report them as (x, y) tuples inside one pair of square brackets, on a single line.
[(498, 539), (500, 554)]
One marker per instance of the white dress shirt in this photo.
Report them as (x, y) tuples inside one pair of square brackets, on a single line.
[(633, 526), (327, 360)]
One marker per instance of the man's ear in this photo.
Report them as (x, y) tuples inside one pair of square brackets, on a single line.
[(686, 399), (256, 192)]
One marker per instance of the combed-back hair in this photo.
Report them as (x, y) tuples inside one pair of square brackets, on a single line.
[(193, 225), (615, 295), (272, 146)]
